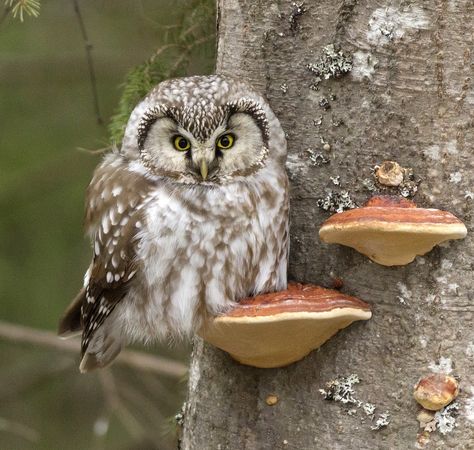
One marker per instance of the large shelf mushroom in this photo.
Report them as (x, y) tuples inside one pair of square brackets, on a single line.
[(392, 231), (277, 329)]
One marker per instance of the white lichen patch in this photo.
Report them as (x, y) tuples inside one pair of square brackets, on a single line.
[(431, 298), (433, 152), (363, 65), (445, 419), (297, 10), (180, 416), (392, 24), (470, 349), (368, 408), (451, 148), (336, 202), (295, 165), (446, 264), (455, 177), (453, 288), (405, 294), (333, 63), (469, 195), (423, 341), (342, 390), (444, 365), (315, 158), (336, 180), (284, 88), (382, 421), (436, 152), (469, 407)]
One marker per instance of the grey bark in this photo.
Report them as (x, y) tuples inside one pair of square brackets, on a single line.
[(408, 98)]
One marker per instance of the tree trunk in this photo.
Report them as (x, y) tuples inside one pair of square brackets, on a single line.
[(408, 98)]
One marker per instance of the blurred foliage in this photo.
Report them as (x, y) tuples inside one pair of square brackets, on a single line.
[(171, 60), (46, 114)]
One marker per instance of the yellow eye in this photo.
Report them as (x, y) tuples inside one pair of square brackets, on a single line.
[(181, 143), (225, 142)]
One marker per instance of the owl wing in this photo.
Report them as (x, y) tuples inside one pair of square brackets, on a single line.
[(115, 198)]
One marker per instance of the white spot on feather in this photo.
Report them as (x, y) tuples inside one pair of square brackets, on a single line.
[(87, 277), (133, 272), (116, 190), (113, 216), (105, 224)]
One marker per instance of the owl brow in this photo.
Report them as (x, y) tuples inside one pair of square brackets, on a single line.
[(248, 106), (148, 119)]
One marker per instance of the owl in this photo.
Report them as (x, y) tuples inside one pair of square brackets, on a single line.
[(186, 219)]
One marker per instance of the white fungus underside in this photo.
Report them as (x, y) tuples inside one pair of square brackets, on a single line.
[(388, 243), (280, 339)]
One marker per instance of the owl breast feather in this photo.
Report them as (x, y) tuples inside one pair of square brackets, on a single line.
[(202, 250)]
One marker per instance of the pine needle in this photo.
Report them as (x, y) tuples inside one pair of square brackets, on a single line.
[(20, 8)]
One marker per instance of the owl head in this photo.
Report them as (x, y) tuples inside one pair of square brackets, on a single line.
[(204, 130)]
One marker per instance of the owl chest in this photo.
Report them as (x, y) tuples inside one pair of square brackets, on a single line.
[(205, 254), (179, 235), (202, 250)]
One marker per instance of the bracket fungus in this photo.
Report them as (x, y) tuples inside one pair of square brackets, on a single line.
[(392, 231), (436, 391), (277, 329)]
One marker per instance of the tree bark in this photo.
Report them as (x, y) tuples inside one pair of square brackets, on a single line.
[(408, 98)]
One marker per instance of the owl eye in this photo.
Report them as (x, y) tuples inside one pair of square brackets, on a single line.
[(225, 142), (181, 143)]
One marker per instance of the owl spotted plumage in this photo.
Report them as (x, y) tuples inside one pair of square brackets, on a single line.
[(189, 217)]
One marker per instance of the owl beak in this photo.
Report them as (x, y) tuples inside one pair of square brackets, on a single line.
[(203, 169)]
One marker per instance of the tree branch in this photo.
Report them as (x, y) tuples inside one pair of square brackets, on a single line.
[(116, 405), (136, 360), (19, 429)]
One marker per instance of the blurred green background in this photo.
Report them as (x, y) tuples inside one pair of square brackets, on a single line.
[(47, 115)]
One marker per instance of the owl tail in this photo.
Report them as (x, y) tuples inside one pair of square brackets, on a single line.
[(105, 344), (103, 347), (70, 323)]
